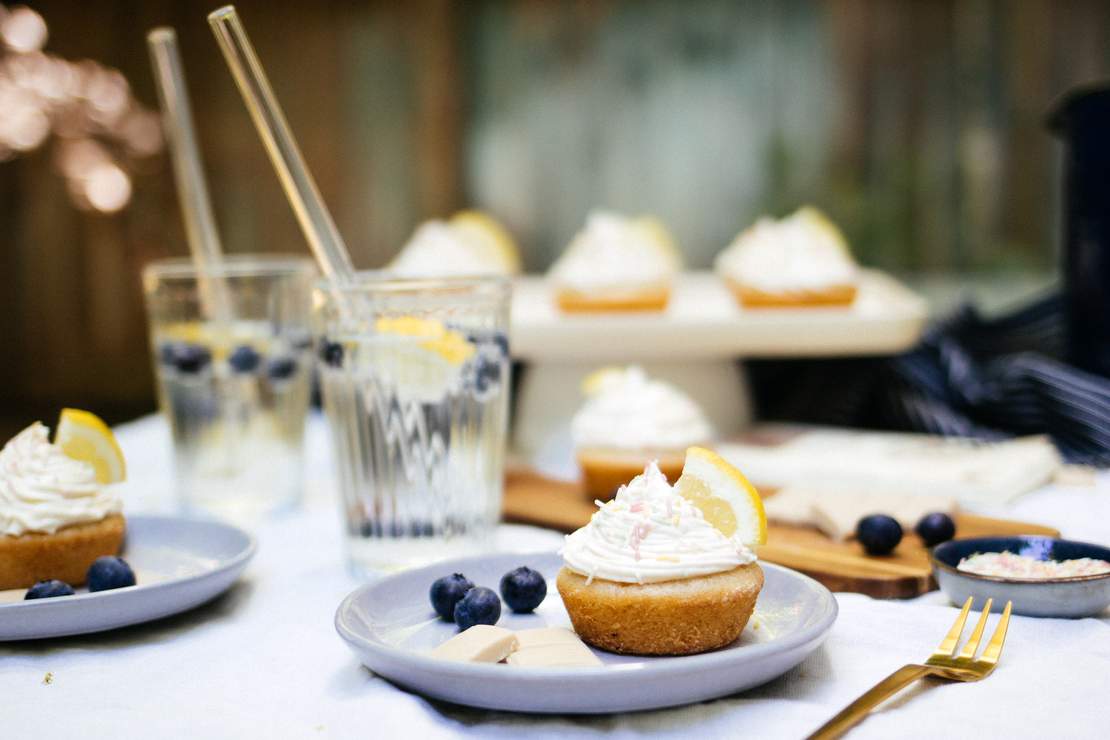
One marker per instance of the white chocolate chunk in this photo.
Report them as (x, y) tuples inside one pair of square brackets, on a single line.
[(551, 647), (836, 512), (482, 643)]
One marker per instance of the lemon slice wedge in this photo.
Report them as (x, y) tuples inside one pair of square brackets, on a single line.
[(83, 436), (660, 238), (430, 335), (598, 379), (489, 237), (726, 499)]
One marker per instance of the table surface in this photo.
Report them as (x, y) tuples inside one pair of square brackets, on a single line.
[(264, 660)]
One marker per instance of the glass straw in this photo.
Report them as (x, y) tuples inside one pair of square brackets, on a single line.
[(315, 220), (188, 170)]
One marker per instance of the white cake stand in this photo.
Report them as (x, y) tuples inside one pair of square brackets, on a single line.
[(695, 344)]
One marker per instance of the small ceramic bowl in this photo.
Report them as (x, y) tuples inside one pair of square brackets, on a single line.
[(1079, 596)]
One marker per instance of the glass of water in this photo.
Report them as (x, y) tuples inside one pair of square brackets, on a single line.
[(415, 380), (235, 387)]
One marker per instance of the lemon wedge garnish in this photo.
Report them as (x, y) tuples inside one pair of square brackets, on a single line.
[(593, 383), (726, 499), (84, 436), (661, 238), (487, 235), (816, 219)]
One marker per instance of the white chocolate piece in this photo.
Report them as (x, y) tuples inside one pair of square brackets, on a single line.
[(482, 643), (836, 512), (551, 647)]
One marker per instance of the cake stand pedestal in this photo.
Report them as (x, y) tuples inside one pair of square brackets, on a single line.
[(696, 344)]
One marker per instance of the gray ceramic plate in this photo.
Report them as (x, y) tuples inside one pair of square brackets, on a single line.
[(390, 625), (178, 563)]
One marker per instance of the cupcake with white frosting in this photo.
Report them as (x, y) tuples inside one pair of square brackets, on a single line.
[(469, 243), (56, 517), (800, 260), (649, 575), (616, 263), (629, 420)]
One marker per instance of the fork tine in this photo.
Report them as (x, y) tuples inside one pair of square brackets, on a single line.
[(994, 647), (952, 639), (976, 634)]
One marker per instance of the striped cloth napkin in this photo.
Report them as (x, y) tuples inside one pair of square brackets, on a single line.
[(969, 377)]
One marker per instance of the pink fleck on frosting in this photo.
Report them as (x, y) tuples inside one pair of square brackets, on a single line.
[(639, 533)]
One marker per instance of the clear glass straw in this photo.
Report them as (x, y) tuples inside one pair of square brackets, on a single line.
[(188, 170), (315, 220)]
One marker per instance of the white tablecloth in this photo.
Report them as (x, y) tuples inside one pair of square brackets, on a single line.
[(264, 660)]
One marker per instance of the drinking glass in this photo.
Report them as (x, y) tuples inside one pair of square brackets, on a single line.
[(234, 387), (415, 381)]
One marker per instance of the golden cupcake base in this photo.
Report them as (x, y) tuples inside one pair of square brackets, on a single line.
[(65, 555), (605, 470), (833, 295), (648, 299), (680, 617)]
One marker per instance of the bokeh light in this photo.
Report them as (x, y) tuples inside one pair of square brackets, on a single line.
[(99, 130)]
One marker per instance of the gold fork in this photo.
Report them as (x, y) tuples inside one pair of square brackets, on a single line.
[(944, 663)]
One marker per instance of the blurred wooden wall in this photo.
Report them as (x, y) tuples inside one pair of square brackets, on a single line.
[(917, 125)]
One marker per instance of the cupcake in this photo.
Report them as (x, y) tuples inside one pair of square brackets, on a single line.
[(629, 420), (616, 264), (801, 260), (56, 516), (469, 243), (653, 574)]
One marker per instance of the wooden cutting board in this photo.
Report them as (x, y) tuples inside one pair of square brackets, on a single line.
[(531, 498)]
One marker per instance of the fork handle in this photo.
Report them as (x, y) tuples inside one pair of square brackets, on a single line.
[(857, 710)]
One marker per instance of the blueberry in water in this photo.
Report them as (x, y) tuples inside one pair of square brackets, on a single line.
[(300, 339), (331, 353), (523, 589), (479, 606), (281, 368), (244, 359), (108, 572), (879, 534), (446, 592), (935, 528), (48, 590), (167, 353), (487, 373), (191, 358)]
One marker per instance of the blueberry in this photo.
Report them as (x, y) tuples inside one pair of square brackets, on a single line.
[(167, 353), (479, 606), (331, 353), (446, 592), (191, 358), (300, 339), (523, 589), (48, 590), (487, 373), (879, 534), (935, 528), (109, 572), (281, 368), (244, 359)]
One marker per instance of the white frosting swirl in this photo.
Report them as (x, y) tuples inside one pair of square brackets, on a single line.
[(801, 252), (648, 534), (631, 412), (439, 249), (43, 490), (615, 253)]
